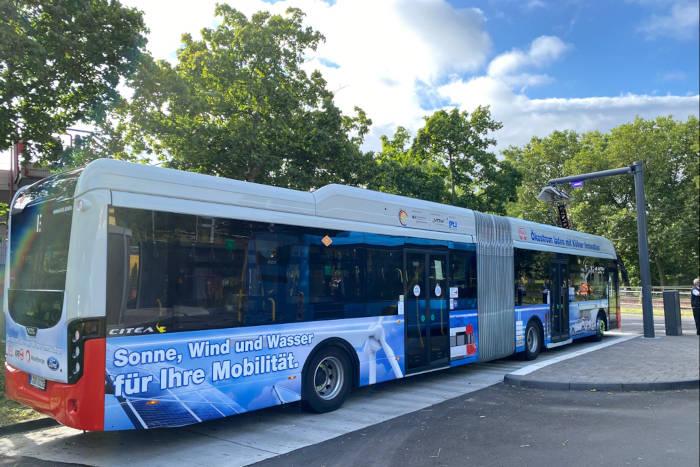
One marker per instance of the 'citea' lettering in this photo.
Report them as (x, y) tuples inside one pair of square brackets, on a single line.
[(129, 331)]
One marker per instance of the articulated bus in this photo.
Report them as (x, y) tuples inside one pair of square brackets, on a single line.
[(140, 297)]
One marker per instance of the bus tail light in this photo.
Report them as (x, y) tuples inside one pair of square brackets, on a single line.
[(78, 332)]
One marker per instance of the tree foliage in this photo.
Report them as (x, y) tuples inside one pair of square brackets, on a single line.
[(461, 142), (399, 170), (449, 161), (670, 152), (60, 62), (238, 103)]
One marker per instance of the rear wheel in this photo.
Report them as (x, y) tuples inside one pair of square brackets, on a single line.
[(600, 326), (327, 380), (533, 340)]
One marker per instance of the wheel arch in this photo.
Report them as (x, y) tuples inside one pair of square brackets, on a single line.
[(536, 319), (344, 346)]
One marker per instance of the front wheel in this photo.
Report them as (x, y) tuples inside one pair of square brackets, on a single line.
[(533, 340), (600, 327), (327, 379)]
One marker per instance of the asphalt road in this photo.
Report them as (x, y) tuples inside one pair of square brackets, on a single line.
[(259, 435), (503, 426), (495, 426)]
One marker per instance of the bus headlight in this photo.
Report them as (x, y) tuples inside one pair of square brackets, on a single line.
[(79, 331)]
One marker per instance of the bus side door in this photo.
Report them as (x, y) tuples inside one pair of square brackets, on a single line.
[(426, 312), (559, 301)]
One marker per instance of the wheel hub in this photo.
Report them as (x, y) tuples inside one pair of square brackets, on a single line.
[(328, 378), (532, 339)]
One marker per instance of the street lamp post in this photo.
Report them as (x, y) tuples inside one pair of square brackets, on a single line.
[(636, 169)]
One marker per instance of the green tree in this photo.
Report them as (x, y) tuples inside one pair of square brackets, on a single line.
[(670, 151), (537, 162), (399, 170), (60, 62), (87, 148), (239, 104), (503, 180), (462, 142)]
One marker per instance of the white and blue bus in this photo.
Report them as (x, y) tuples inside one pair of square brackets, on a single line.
[(140, 297)]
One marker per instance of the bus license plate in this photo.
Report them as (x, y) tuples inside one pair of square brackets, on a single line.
[(38, 382)]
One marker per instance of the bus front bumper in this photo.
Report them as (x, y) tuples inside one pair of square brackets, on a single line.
[(79, 405)]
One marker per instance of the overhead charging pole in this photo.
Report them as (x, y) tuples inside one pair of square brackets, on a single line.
[(636, 169)]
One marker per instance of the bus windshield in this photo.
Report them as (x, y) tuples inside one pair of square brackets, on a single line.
[(39, 238)]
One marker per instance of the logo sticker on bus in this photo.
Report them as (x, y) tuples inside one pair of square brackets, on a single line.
[(52, 363), (522, 234), (403, 217)]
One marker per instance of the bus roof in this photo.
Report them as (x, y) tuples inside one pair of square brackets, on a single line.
[(331, 201)]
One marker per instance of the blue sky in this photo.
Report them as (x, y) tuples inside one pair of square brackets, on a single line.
[(612, 51)]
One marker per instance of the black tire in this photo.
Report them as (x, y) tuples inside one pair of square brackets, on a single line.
[(533, 340), (600, 327), (327, 380)]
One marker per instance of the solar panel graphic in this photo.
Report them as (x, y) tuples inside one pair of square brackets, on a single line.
[(173, 407), (165, 380)]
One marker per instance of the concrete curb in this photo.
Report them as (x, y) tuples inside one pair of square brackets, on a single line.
[(31, 425), (525, 382)]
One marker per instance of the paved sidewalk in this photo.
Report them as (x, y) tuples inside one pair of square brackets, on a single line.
[(639, 364)]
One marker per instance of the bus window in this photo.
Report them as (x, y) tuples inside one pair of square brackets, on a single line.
[(587, 278), (337, 285), (532, 282), (187, 272), (463, 277), (384, 280)]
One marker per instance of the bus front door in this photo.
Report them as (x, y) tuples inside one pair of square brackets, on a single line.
[(426, 312), (559, 302)]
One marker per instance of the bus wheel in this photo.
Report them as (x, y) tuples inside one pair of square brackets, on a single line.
[(533, 340), (327, 380), (600, 326)]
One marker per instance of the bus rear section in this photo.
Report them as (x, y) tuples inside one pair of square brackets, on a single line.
[(52, 363)]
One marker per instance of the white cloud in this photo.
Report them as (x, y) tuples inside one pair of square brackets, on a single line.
[(674, 75), (524, 117), (533, 4), (679, 19), (381, 51), (384, 51), (387, 56), (508, 66), (167, 20)]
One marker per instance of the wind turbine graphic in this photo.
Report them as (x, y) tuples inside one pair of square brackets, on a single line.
[(376, 340)]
